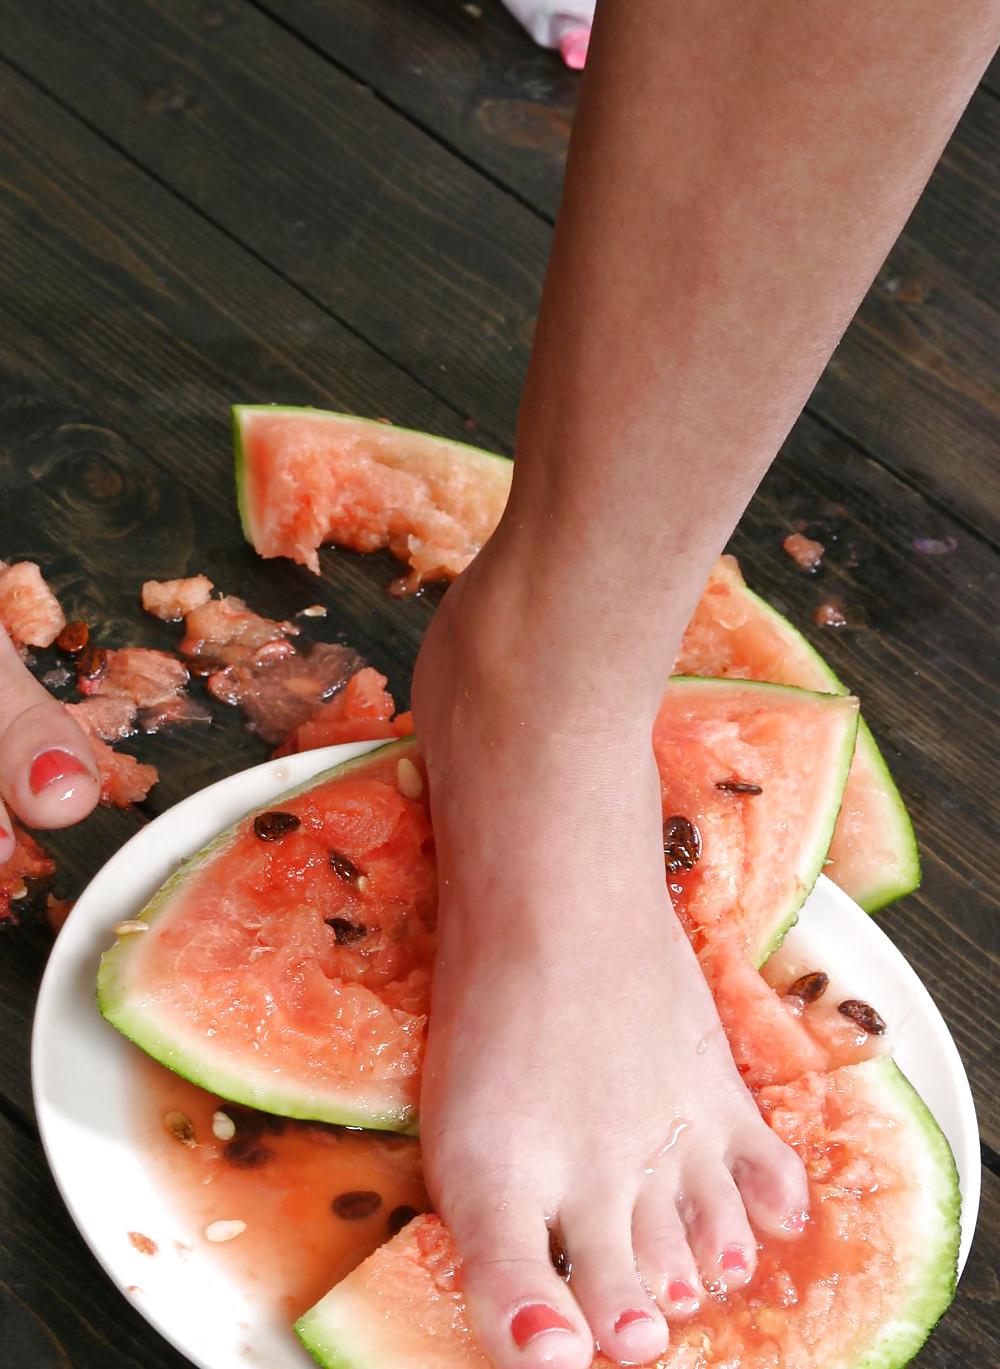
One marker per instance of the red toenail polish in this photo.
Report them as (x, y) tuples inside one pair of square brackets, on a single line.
[(679, 1290), (733, 1259), (4, 834), (52, 766), (536, 1320), (629, 1318)]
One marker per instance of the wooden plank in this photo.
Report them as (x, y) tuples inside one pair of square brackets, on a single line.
[(115, 350)]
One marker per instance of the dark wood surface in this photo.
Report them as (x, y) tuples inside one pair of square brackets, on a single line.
[(349, 204)]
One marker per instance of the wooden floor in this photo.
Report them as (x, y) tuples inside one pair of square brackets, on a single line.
[(348, 203)]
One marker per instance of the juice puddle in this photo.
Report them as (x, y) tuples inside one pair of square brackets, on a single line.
[(316, 1200)]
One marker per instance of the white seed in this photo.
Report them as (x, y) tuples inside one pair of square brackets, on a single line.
[(180, 1127), (313, 611), (408, 779), (224, 1231), (130, 926), (223, 1126), (362, 884), (20, 892)]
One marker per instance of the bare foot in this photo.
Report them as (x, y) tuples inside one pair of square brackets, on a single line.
[(577, 1079)]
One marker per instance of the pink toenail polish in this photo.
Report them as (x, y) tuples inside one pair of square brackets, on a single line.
[(629, 1318), (51, 767), (536, 1320), (733, 1259), (679, 1290)]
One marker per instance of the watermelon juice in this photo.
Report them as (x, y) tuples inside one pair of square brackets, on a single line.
[(316, 1199)]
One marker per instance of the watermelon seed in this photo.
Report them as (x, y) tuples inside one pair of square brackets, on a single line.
[(863, 1014), (408, 779), (180, 1127), (130, 926), (399, 1217), (246, 1152), (274, 825), (808, 987), (344, 868), (223, 1126), (346, 933), (738, 787), (92, 663), (356, 1205), (559, 1256), (73, 638), (681, 844), (224, 1230), (313, 611)]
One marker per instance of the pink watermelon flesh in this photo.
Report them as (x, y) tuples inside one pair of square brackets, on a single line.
[(28, 609), (734, 633), (863, 1286), (306, 477), (293, 974)]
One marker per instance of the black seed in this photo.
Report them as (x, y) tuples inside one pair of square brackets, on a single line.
[(247, 1152), (346, 933), (863, 1014), (344, 868), (681, 844), (274, 825), (73, 638), (274, 1126), (399, 1217), (809, 987), (355, 1206), (561, 1261), (738, 787)]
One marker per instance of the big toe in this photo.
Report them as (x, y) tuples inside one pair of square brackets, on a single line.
[(626, 1322), (522, 1312), (773, 1184), (48, 775)]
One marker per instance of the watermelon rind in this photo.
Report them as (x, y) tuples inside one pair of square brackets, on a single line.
[(824, 819), (346, 1330), (476, 456), (165, 1044), (896, 828)]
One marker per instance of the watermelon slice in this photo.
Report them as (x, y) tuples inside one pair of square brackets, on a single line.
[(864, 1287), (305, 477), (287, 965), (735, 633)]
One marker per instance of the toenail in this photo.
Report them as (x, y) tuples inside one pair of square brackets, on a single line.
[(733, 1259), (679, 1290), (629, 1318), (797, 1222), (536, 1320), (52, 766)]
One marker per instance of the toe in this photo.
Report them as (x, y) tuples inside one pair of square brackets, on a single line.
[(663, 1255), (522, 1312), (772, 1181), (6, 835), (718, 1229), (626, 1322), (47, 771)]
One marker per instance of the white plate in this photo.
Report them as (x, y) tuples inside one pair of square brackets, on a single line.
[(82, 1071)]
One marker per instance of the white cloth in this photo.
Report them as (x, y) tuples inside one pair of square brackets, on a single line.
[(550, 21)]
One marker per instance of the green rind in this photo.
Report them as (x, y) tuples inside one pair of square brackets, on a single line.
[(904, 838), (475, 455), (337, 1335), (123, 1014), (935, 1284), (785, 918)]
